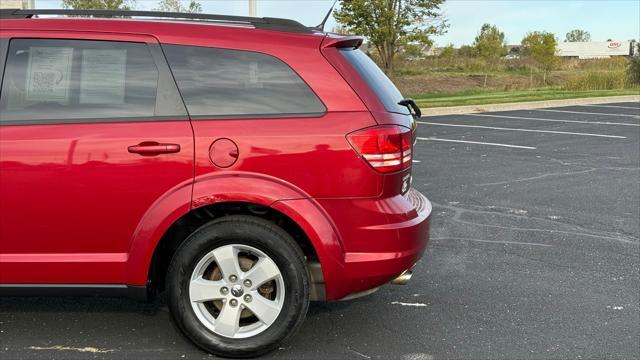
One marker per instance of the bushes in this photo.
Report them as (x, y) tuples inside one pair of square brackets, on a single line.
[(472, 64), (459, 73), (633, 71), (597, 80), (606, 74), (614, 63)]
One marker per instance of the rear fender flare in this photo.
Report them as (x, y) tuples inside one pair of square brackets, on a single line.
[(235, 187)]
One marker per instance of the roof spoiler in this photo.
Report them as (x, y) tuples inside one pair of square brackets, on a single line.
[(343, 42)]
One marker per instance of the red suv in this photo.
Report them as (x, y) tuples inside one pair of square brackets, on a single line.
[(243, 165)]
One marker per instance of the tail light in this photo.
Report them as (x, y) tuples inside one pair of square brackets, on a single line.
[(386, 148)]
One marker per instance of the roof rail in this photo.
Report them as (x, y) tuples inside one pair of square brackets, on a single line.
[(266, 23)]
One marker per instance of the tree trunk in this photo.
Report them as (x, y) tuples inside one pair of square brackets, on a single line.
[(387, 61), (485, 80), (386, 58), (544, 77)]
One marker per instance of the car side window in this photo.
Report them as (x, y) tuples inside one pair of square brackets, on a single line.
[(57, 81), (233, 83)]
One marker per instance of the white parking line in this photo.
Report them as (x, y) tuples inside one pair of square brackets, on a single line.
[(613, 106), (587, 113), (554, 120), (476, 142), (525, 130)]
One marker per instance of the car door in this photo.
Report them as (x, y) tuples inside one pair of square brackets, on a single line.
[(92, 133)]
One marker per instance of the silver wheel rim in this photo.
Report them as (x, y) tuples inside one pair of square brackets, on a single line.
[(236, 306)]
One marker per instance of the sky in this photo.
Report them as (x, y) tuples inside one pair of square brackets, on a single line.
[(604, 19)]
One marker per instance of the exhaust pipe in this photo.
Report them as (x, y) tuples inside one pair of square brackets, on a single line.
[(403, 278)]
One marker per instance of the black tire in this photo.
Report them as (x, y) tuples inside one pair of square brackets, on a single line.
[(262, 235)]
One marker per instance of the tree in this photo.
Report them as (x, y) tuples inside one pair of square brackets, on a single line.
[(514, 50), (389, 25), (541, 47), (412, 51), (448, 52), (578, 35), (466, 51), (98, 4), (178, 6), (490, 46)]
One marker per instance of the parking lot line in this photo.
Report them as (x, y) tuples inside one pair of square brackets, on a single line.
[(525, 130), (476, 142), (554, 120), (587, 113), (612, 106)]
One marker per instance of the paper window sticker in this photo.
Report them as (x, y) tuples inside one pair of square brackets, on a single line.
[(103, 76), (48, 73)]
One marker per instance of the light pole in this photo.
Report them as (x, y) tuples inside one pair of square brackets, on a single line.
[(253, 8)]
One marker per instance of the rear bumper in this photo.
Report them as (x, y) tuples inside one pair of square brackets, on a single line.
[(381, 238)]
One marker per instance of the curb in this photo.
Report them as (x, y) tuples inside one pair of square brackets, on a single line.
[(467, 109)]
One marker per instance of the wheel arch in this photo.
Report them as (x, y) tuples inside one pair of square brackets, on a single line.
[(170, 221), (180, 230)]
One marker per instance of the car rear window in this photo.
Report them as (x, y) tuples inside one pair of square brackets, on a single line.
[(381, 85), (68, 80), (232, 83)]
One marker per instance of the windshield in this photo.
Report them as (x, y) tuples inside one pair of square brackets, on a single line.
[(386, 91)]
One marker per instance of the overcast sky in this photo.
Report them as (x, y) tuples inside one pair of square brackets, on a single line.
[(604, 19)]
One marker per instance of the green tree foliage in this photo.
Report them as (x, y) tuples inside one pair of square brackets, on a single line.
[(448, 52), (578, 35), (541, 47), (98, 4), (490, 46), (466, 51), (412, 51), (179, 6), (389, 25)]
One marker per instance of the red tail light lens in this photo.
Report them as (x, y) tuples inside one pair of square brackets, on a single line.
[(386, 148)]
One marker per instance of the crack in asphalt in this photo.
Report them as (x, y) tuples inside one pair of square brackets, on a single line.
[(537, 177), (561, 173), (564, 163), (488, 241), (359, 353), (88, 349), (458, 211)]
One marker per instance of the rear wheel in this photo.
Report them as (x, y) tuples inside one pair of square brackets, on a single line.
[(238, 286)]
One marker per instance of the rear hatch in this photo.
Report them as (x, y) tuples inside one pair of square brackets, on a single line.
[(388, 147)]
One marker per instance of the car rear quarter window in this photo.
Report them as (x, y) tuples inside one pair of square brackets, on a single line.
[(233, 83), (67, 80), (378, 81)]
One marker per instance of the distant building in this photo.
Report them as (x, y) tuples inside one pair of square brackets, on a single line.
[(432, 51), (513, 52), (17, 4), (596, 49)]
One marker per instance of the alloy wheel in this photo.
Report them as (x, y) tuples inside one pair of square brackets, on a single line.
[(236, 291)]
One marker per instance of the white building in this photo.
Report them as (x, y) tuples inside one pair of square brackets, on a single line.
[(595, 50), (17, 4)]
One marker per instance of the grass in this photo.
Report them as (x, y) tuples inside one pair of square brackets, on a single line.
[(464, 80), (482, 97)]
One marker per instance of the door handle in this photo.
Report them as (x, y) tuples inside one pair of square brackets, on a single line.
[(151, 148)]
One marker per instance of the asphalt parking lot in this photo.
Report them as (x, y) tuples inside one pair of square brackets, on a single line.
[(535, 253)]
